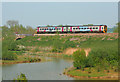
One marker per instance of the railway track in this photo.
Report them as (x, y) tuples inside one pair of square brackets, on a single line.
[(79, 34)]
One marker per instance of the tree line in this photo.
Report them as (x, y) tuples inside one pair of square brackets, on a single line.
[(99, 58), (9, 30)]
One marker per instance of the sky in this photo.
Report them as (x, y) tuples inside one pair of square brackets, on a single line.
[(55, 13)]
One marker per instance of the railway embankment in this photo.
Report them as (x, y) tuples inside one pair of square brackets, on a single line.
[(79, 34), (62, 45)]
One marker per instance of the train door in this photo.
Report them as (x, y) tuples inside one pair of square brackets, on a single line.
[(68, 29)]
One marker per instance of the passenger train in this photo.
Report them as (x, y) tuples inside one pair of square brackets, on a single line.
[(72, 29)]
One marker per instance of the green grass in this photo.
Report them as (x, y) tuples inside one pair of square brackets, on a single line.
[(60, 43), (93, 73), (18, 52), (22, 59)]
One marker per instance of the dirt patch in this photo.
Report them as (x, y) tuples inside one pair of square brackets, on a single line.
[(87, 51), (72, 39), (70, 51), (39, 39)]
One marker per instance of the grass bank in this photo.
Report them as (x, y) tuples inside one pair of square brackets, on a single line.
[(22, 59), (93, 75), (54, 45)]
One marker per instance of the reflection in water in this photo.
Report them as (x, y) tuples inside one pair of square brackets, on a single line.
[(51, 70)]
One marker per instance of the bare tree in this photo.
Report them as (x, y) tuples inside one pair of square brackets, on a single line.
[(12, 23)]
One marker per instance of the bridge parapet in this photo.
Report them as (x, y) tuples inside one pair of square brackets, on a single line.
[(20, 36)]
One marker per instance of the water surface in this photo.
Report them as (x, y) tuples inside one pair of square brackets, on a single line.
[(49, 70)]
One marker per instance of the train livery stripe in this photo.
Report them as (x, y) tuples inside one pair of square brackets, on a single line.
[(38, 29), (71, 29), (99, 28), (62, 29), (55, 27), (91, 30), (44, 30)]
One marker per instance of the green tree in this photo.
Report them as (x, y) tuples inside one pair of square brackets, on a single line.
[(12, 23), (79, 59), (104, 57)]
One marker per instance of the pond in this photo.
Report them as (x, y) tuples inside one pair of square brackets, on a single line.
[(48, 70)]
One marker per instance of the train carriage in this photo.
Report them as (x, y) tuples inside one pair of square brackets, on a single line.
[(73, 29)]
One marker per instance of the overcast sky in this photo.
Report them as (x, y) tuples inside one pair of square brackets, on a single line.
[(55, 13)]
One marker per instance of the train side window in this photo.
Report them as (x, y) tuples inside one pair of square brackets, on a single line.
[(93, 27), (96, 27), (90, 28), (81, 28), (74, 28)]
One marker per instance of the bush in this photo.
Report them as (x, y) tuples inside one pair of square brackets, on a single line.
[(7, 55), (104, 57), (79, 59), (13, 46), (21, 77)]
